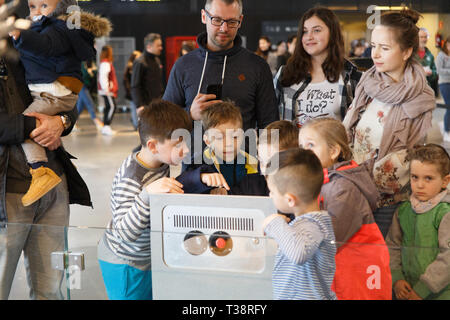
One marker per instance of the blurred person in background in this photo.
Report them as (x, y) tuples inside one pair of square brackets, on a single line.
[(147, 76), (127, 85), (107, 88), (291, 43), (443, 70), (426, 59)]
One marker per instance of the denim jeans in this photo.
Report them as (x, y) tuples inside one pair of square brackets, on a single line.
[(85, 101), (134, 117), (445, 92), (37, 230)]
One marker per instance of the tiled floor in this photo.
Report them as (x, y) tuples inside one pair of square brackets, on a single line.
[(98, 160)]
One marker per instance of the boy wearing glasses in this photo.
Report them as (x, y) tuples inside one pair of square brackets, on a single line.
[(223, 64)]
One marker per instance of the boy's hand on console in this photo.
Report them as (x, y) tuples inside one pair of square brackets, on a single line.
[(214, 180), (165, 185)]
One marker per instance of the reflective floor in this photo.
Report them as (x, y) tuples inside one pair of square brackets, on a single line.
[(99, 157)]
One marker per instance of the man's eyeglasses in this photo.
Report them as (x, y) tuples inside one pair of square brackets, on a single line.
[(216, 21)]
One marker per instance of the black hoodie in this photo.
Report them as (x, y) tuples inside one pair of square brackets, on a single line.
[(247, 81)]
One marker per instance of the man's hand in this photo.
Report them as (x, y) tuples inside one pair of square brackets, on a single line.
[(165, 185), (402, 289), (200, 103), (48, 130), (55, 145), (214, 180)]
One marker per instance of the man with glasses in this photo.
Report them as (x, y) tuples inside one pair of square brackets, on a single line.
[(222, 69)]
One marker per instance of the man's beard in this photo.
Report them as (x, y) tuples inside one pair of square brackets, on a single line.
[(220, 44)]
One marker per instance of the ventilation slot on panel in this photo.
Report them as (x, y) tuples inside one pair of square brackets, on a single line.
[(214, 223)]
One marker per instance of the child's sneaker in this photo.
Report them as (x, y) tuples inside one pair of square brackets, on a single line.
[(42, 181)]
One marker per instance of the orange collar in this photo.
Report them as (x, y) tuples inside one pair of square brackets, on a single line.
[(326, 178)]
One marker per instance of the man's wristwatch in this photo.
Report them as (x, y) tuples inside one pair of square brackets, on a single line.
[(66, 121)]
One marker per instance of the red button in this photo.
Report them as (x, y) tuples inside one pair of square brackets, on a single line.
[(221, 243)]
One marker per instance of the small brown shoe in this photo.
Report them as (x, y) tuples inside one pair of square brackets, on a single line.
[(42, 181)]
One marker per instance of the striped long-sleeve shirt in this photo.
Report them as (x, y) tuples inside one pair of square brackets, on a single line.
[(304, 264), (128, 232)]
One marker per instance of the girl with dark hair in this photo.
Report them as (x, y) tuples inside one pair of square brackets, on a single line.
[(107, 88), (392, 109), (317, 80)]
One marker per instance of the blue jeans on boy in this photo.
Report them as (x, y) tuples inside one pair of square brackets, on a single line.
[(445, 92)]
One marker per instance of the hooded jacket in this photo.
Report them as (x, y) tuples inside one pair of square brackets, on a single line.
[(350, 195), (247, 81), (54, 47)]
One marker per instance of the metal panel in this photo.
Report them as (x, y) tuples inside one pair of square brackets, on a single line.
[(188, 264)]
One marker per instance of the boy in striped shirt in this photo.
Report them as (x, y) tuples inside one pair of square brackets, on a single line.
[(124, 251), (304, 264)]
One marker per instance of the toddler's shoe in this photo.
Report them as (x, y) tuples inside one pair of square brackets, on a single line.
[(42, 181)]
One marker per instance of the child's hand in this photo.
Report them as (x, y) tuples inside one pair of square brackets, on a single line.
[(402, 289), (15, 34), (214, 180), (414, 296), (219, 191), (269, 219), (165, 185)]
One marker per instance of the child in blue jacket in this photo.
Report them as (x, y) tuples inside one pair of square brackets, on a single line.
[(52, 51), (223, 164)]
